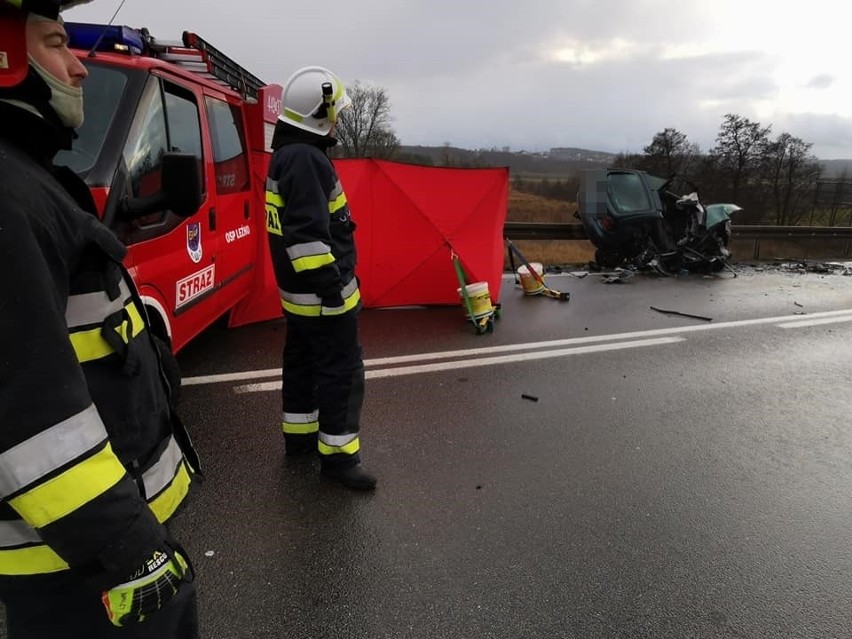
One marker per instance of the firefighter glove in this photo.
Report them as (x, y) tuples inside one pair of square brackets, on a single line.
[(150, 588)]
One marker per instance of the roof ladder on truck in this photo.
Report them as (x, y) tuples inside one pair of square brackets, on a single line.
[(199, 56)]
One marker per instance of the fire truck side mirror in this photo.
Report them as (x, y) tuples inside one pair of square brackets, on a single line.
[(182, 183), (180, 190)]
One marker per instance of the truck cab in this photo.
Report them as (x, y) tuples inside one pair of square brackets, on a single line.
[(146, 99)]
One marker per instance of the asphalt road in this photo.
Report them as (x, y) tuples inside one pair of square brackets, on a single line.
[(676, 477)]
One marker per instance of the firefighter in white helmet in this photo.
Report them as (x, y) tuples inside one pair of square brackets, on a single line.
[(93, 460), (313, 253)]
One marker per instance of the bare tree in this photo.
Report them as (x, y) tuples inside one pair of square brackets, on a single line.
[(771, 179), (670, 152), (364, 130), (739, 147), (789, 174)]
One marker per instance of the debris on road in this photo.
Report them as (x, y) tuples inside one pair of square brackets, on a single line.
[(532, 398), (618, 276), (668, 312), (808, 266)]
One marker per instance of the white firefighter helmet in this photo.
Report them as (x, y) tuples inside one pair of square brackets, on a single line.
[(313, 99), (13, 40)]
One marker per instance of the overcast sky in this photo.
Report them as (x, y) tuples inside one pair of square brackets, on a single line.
[(537, 74)]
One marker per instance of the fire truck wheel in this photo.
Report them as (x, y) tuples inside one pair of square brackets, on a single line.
[(170, 368)]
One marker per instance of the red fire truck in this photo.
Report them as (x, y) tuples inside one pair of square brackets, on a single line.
[(193, 236)]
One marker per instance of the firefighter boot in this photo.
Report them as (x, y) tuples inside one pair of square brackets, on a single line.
[(353, 477)]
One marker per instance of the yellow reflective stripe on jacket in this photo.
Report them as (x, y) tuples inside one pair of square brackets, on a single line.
[(307, 256), (348, 304), (68, 491), (337, 203), (339, 444), (312, 262), (31, 560), (38, 558), (309, 305), (51, 449), (300, 423), (90, 345), (22, 551), (273, 199), (167, 481), (337, 198), (166, 503), (160, 474)]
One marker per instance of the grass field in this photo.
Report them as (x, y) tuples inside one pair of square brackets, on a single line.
[(525, 207)]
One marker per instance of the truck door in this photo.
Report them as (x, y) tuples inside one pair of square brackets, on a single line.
[(173, 260), (232, 182)]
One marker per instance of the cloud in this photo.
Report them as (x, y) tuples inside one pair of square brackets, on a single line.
[(603, 74), (830, 134), (614, 105), (821, 81)]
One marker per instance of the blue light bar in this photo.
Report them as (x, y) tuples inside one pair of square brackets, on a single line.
[(101, 37)]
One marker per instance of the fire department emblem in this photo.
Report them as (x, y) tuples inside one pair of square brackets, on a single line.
[(193, 241)]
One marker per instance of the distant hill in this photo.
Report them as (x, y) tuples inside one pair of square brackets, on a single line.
[(835, 168), (557, 161)]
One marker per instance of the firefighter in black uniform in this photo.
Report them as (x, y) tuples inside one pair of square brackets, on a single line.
[(313, 254), (93, 460)]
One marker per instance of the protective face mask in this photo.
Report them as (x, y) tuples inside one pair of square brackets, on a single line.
[(67, 101)]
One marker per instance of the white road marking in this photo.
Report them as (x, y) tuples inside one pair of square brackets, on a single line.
[(483, 361), (816, 322), (785, 321), (230, 377)]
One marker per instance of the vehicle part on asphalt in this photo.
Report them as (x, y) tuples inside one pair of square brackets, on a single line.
[(667, 312)]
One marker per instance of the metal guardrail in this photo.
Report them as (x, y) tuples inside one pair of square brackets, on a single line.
[(562, 231), (756, 233), (543, 231)]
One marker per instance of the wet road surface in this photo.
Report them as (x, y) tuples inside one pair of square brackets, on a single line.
[(675, 477), (688, 482)]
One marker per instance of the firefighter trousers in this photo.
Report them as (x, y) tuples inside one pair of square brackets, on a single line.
[(323, 385), (71, 610)]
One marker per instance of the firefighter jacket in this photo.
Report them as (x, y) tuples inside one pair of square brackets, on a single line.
[(88, 434), (309, 228)]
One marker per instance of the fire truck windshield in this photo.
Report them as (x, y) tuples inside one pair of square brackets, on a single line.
[(102, 93)]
